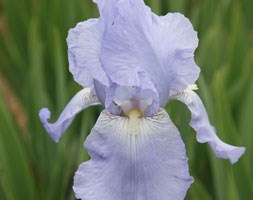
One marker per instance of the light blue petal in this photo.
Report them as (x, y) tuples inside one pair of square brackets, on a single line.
[(176, 42), (162, 47), (149, 87), (100, 90), (80, 101), (144, 98), (205, 131), (107, 10), (125, 51), (134, 159), (130, 46), (84, 44), (124, 93)]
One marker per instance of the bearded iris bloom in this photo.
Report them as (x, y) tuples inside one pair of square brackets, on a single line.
[(134, 62)]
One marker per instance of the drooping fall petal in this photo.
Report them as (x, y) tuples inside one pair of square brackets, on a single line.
[(205, 131), (134, 158), (80, 101)]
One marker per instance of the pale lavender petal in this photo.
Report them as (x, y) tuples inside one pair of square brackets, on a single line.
[(134, 159), (84, 44), (100, 91), (139, 41), (107, 10), (205, 131), (126, 51), (148, 86), (130, 46), (176, 42), (124, 93), (80, 101), (144, 98)]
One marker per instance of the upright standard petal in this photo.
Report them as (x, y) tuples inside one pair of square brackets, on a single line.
[(107, 10), (127, 50), (84, 45), (176, 41), (133, 158), (80, 101), (205, 131), (140, 41)]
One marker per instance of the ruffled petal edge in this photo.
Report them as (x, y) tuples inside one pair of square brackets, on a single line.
[(205, 131)]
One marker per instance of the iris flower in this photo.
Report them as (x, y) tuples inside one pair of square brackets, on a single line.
[(134, 62)]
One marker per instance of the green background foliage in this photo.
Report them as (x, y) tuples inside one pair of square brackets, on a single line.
[(34, 73)]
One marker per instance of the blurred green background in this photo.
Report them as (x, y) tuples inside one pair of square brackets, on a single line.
[(34, 73)]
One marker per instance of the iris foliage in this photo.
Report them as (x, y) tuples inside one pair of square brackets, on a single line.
[(34, 73)]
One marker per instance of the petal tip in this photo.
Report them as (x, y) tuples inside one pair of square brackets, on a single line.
[(44, 115), (226, 151), (235, 154)]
